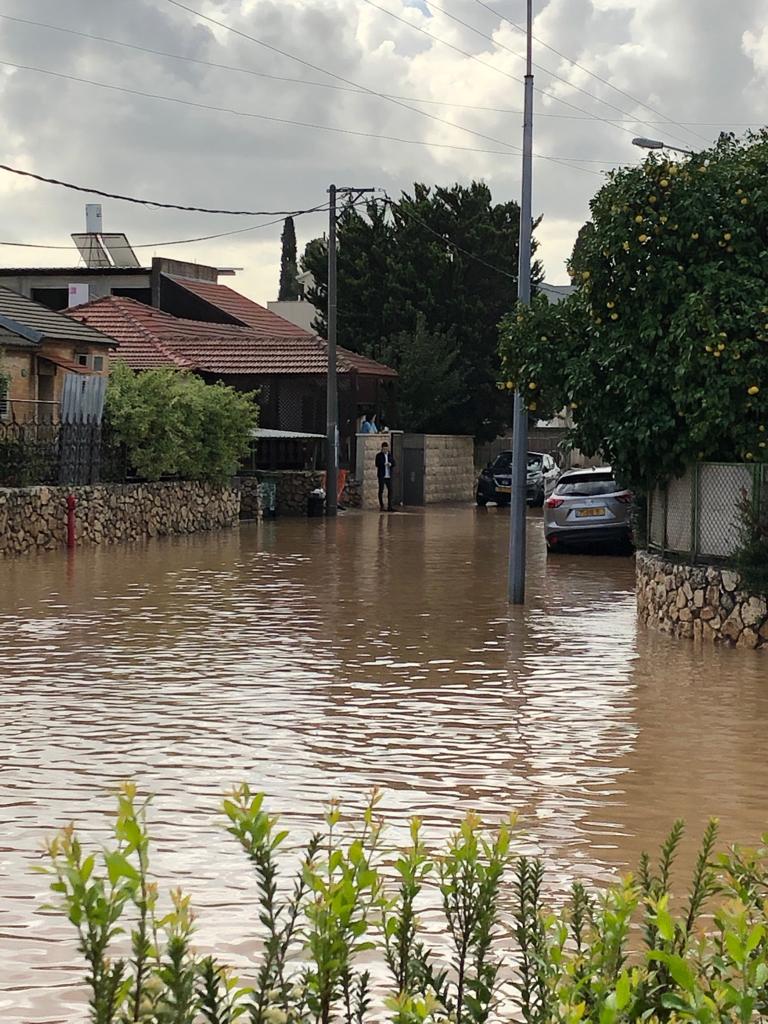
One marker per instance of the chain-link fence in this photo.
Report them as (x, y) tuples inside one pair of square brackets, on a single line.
[(697, 514)]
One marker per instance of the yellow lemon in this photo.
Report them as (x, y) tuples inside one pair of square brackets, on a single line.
[(585, 275), (695, 235), (749, 456), (651, 199), (716, 354), (727, 236), (663, 219), (720, 347), (610, 305), (543, 337), (532, 386), (638, 219), (761, 429), (745, 201), (707, 348), (510, 385), (574, 405), (722, 334), (754, 390), (664, 183), (625, 246), (532, 406), (643, 238), (614, 316), (762, 444)]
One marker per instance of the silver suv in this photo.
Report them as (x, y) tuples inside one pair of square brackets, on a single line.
[(588, 506)]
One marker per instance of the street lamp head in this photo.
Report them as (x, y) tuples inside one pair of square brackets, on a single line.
[(648, 143)]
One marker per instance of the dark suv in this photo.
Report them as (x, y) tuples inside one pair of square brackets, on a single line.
[(495, 481)]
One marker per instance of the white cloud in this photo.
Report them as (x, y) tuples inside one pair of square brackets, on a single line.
[(692, 59)]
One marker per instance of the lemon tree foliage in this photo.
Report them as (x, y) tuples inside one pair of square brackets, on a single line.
[(662, 351), (174, 424)]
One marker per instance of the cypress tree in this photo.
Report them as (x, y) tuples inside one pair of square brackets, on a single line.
[(289, 285)]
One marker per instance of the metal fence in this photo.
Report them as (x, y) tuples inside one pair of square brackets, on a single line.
[(697, 514)]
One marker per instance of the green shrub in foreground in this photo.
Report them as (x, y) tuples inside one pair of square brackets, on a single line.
[(630, 952)]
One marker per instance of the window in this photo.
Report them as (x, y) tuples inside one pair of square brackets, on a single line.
[(5, 404), (95, 363), (587, 486), (53, 298)]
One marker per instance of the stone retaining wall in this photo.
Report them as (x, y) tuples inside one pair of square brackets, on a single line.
[(449, 468), (35, 518), (699, 603)]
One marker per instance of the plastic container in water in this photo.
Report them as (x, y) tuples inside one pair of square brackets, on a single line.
[(316, 503)]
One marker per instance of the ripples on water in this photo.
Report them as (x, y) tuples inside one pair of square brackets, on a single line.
[(313, 658)]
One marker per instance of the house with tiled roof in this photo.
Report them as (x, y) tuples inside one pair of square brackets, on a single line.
[(39, 349), (252, 349)]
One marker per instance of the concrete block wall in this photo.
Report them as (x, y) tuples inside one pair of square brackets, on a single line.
[(449, 473)]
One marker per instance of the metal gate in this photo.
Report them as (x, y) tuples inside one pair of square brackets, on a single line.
[(413, 469)]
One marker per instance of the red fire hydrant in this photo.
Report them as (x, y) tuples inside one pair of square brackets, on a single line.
[(71, 506)]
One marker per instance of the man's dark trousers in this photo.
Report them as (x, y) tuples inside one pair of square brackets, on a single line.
[(385, 481)]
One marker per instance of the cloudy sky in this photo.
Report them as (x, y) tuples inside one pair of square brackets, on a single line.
[(699, 66)]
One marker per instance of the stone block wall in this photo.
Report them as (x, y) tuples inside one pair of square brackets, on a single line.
[(699, 603), (35, 519), (293, 487), (449, 473)]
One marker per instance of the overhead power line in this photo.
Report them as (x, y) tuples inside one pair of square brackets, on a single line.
[(357, 85), (302, 124), (593, 74), (446, 241), (153, 202), (359, 91), (552, 74), (182, 241)]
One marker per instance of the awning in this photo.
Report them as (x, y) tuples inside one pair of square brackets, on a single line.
[(66, 364), (263, 434)]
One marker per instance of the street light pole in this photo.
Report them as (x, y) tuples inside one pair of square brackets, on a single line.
[(332, 399), (518, 496)]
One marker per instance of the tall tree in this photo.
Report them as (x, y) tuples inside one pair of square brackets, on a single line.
[(447, 254), (661, 351), (289, 273)]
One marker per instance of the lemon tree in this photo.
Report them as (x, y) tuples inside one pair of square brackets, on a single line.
[(662, 353)]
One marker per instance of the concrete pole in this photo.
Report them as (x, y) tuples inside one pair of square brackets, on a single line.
[(332, 406), (518, 503)]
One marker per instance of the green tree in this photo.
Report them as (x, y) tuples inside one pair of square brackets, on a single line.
[(174, 424), (447, 254), (662, 351), (431, 384), (289, 284)]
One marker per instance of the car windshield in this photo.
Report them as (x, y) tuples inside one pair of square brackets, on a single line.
[(587, 486), (503, 463)]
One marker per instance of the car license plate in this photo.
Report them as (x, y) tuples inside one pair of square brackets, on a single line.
[(583, 513), (504, 490)]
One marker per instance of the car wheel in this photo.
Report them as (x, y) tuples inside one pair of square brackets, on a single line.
[(502, 502), (481, 501)]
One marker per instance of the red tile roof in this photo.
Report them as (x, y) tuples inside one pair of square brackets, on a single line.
[(248, 312), (149, 338)]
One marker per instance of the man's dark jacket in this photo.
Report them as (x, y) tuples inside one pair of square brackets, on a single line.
[(380, 463)]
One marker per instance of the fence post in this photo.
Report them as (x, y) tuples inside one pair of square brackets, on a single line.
[(664, 522), (695, 513)]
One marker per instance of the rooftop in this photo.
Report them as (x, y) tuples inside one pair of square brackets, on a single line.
[(149, 338), (35, 322)]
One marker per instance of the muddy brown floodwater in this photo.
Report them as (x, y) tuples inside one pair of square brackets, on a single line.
[(317, 658)]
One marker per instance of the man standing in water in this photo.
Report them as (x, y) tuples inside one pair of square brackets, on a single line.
[(384, 466)]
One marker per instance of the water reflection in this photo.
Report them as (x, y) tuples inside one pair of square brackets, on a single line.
[(314, 658)]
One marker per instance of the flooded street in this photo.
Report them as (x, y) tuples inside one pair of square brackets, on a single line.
[(316, 658)]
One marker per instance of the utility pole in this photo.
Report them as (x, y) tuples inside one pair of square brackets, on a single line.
[(332, 398), (518, 497), (332, 392)]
